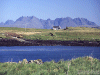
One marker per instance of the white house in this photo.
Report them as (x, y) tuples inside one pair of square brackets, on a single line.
[(56, 27)]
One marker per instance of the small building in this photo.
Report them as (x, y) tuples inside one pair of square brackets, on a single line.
[(56, 27)]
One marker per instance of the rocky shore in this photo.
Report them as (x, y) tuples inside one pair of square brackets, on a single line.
[(24, 61), (13, 42)]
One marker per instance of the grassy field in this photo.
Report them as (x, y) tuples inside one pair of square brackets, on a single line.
[(79, 66), (72, 33)]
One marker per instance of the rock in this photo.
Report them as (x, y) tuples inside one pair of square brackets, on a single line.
[(38, 61), (30, 61), (51, 34), (24, 61), (20, 62)]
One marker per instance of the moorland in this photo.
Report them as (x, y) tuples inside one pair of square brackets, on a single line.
[(41, 35)]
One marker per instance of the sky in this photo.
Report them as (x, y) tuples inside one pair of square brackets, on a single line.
[(44, 9)]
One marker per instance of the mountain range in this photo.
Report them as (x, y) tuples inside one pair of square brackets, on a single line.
[(33, 22)]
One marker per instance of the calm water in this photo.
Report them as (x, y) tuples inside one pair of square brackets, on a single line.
[(46, 53)]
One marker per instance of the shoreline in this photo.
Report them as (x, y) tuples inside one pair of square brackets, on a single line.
[(13, 42), (39, 61)]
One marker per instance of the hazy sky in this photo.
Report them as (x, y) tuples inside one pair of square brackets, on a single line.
[(44, 9)]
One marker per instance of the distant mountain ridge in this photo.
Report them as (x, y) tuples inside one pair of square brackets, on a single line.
[(33, 22)]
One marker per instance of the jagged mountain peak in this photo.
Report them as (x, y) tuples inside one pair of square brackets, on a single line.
[(48, 19), (83, 21), (8, 22), (33, 22), (23, 18)]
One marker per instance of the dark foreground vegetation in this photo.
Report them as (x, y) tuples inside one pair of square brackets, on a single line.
[(79, 66)]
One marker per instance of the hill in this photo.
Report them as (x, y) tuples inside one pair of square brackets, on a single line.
[(33, 22)]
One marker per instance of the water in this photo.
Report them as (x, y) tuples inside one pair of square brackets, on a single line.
[(46, 53)]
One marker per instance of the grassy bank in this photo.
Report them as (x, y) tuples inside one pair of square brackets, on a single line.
[(78, 66), (72, 33)]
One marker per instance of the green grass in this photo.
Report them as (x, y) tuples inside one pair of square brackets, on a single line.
[(78, 66), (3, 36), (72, 33), (65, 36)]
